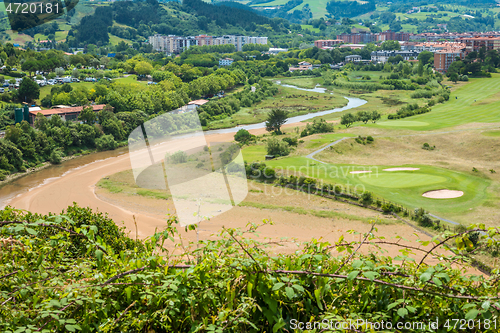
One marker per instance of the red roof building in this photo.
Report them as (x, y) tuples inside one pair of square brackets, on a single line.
[(70, 113)]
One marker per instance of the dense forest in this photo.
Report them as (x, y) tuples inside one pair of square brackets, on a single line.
[(339, 9)]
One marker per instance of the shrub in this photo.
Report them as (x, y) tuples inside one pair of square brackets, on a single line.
[(56, 156), (106, 142), (177, 157), (243, 136), (369, 139), (291, 141), (277, 147), (366, 198), (427, 146)]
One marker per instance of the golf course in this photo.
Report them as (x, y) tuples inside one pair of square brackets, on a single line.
[(463, 129)]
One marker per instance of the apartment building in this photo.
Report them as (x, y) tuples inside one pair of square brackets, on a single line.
[(383, 56), (476, 43), (327, 43), (176, 44), (445, 57)]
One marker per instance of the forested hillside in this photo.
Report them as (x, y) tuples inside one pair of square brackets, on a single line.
[(193, 17)]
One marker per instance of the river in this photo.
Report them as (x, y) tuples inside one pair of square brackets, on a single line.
[(21, 187)]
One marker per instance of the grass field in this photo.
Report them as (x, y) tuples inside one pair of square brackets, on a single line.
[(318, 7), (294, 101), (476, 102)]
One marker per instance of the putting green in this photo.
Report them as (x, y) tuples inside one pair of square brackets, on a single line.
[(401, 180), (403, 123)]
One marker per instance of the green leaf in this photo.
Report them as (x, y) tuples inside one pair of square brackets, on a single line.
[(298, 287), (437, 281), (370, 275), (128, 291), (411, 309), (280, 324), (472, 314), (402, 312), (31, 231), (486, 305), (98, 254), (249, 288), (352, 275), (390, 306), (70, 328), (278, 286), (425, 277), (289, 292), (357, 264)]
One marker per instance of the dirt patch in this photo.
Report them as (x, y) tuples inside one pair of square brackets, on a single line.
[(361, 171), (443, 194)]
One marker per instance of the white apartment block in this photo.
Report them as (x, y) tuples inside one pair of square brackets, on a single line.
[(176, 44)]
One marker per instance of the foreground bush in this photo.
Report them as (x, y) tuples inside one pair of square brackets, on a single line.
[(229, 284)]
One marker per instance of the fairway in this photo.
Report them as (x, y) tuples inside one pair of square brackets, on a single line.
[(402, 123), (476, 102), (491, 133), (401, 180)]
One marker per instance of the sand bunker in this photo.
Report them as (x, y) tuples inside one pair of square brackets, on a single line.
[(443, 194), (402, 169), (361, 171)]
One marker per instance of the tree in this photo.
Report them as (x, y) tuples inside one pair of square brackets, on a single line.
[(391, 45), (454, 77), (28, 90), (59, 72), (143, 68), (426, 57), (276, 147), (375, 115), (348, 119), (275, 120), (75, 73), (243, 136), (363, 116), (87, 115)]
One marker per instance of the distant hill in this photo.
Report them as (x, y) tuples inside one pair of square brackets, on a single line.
[(139, 19)]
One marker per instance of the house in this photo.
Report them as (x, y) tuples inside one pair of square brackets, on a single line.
[(66, 113), (353, 58), (275, 50), (302, 66), (383, 56), (226, 62)]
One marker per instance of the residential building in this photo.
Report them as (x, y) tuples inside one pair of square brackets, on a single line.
[(226, 62), (383, 56), (353, 58), (327, 43), (444, 58), (176, 44), (275, 50), (476, 43), (66, 113), (302, 66)]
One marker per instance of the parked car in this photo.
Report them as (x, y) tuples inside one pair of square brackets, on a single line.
[(89, 79), (74, 79), (5, 84), (51, 82), (2, 90), (66, 79)]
